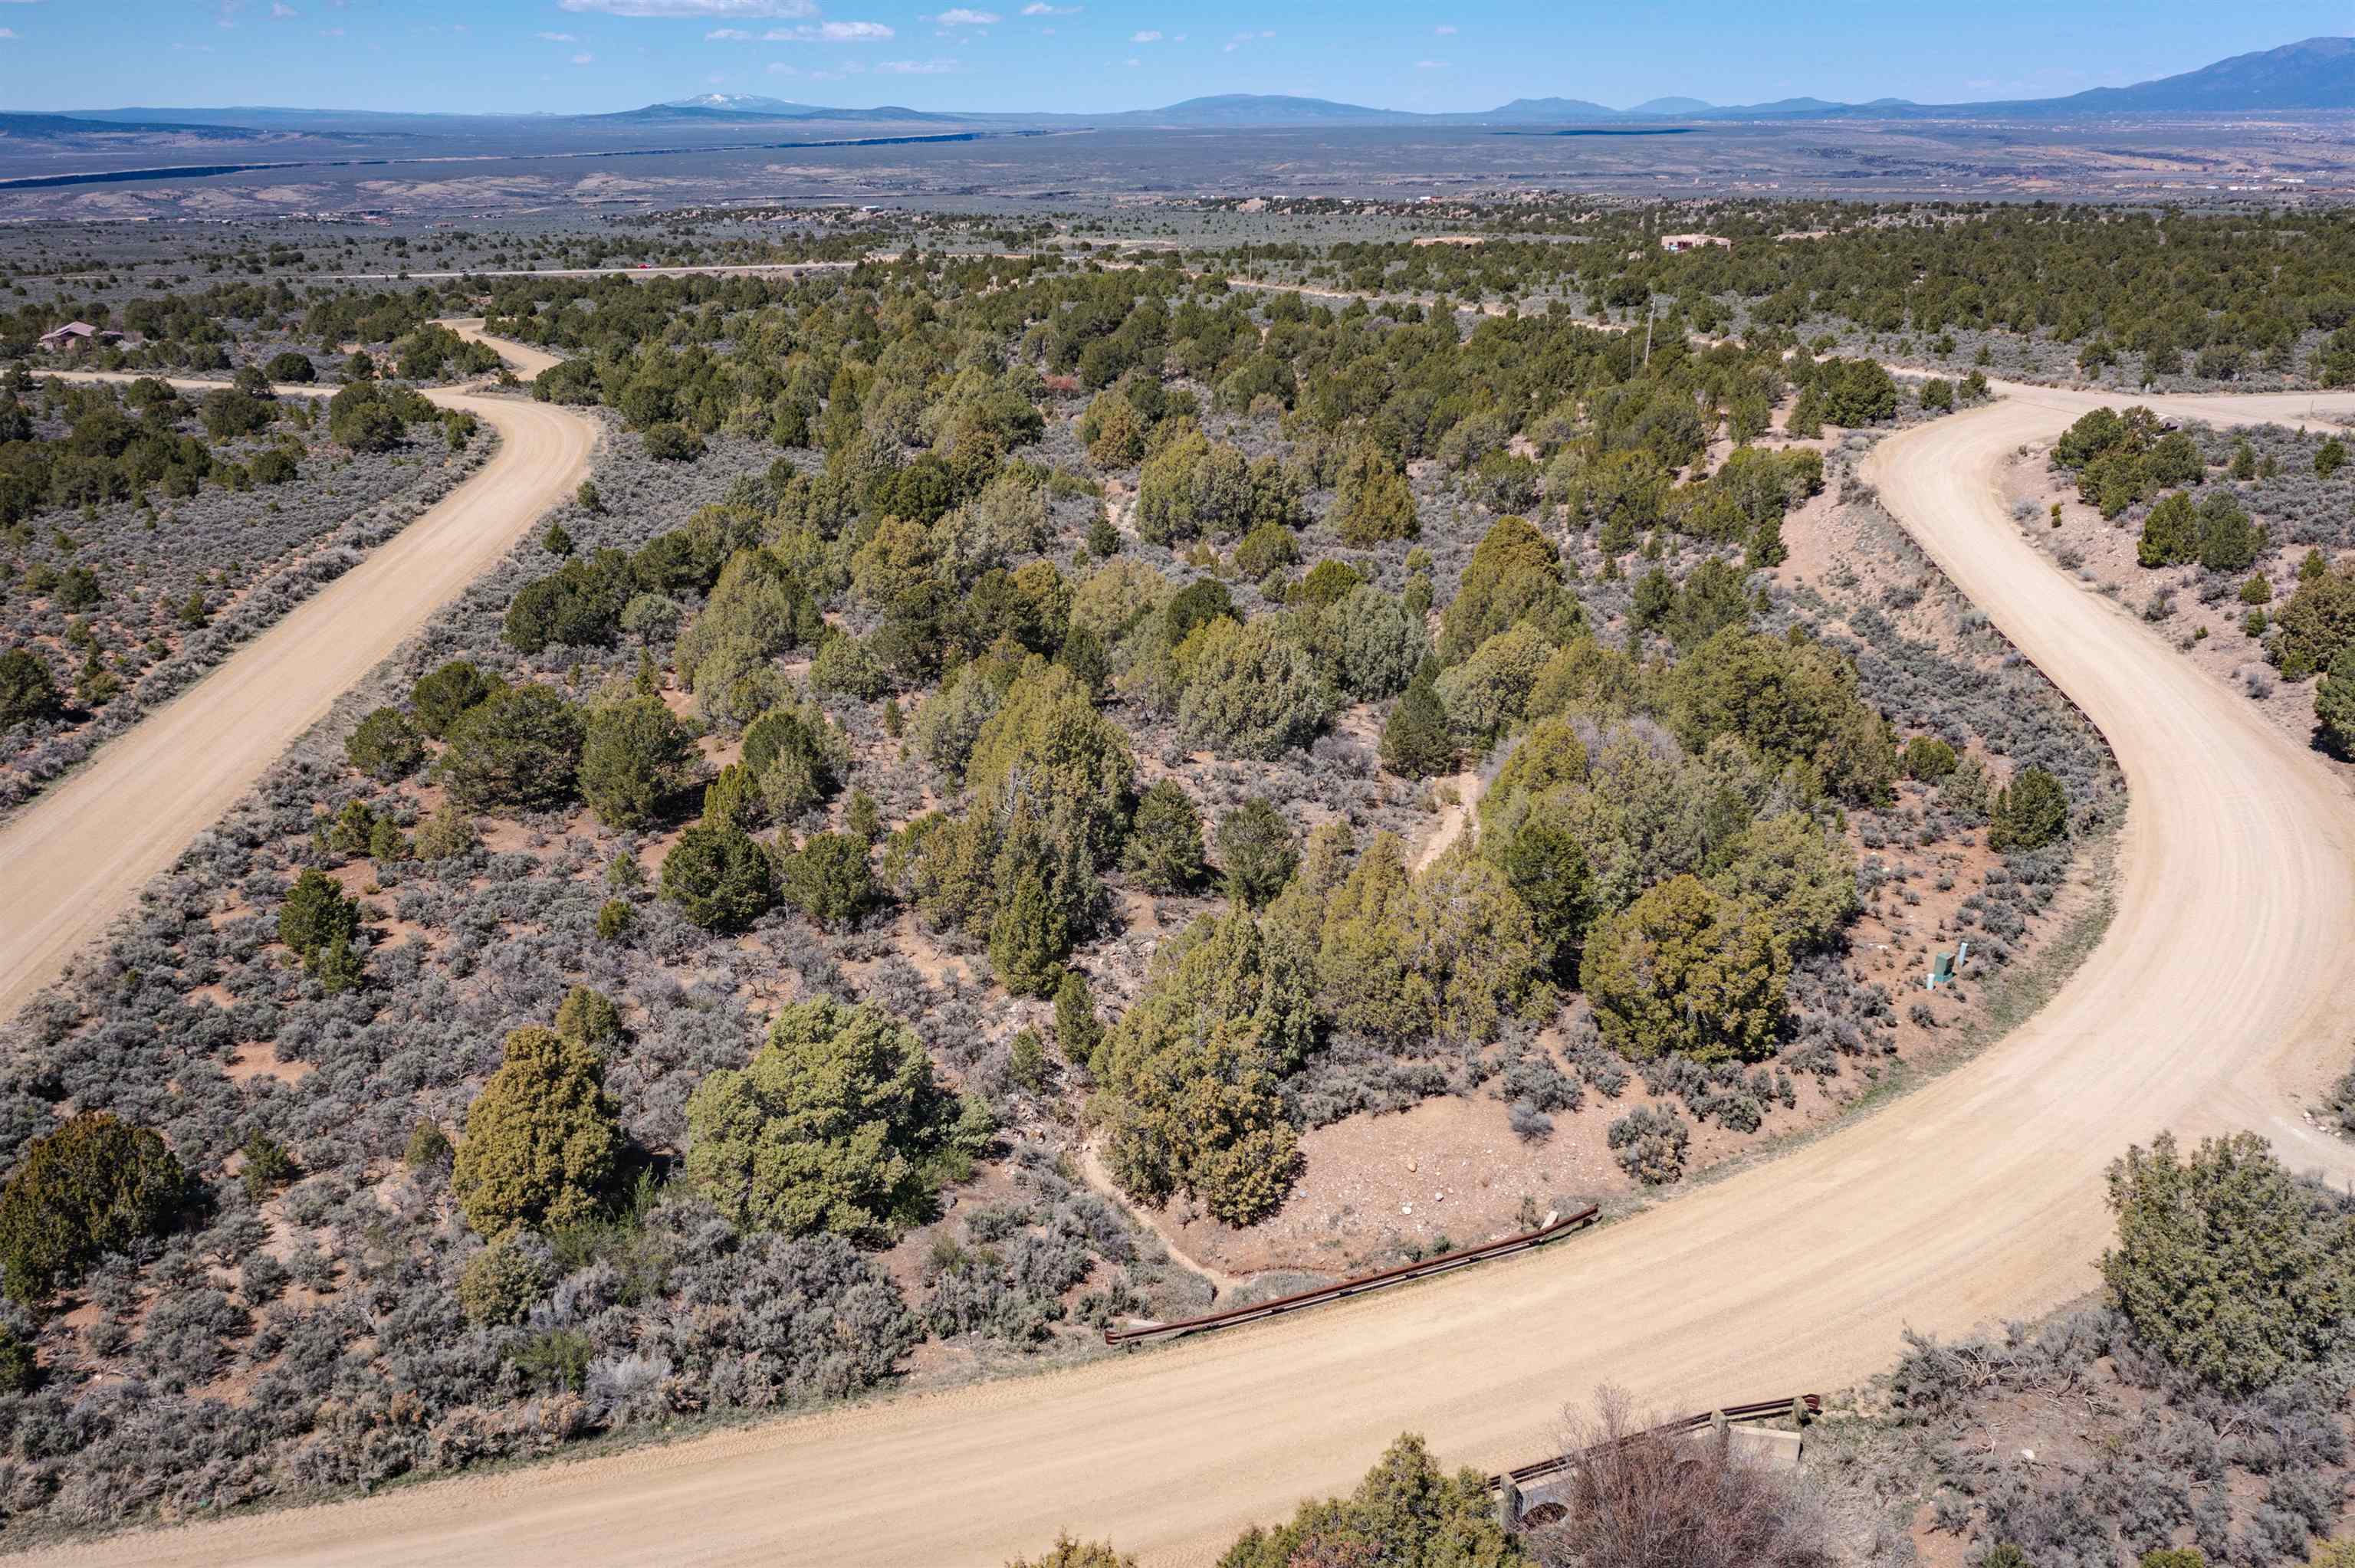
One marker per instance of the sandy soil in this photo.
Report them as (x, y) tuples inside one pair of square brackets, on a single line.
[(77, 855), (1459, 796), (2215, 998)]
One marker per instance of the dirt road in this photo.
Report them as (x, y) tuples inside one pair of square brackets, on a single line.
[(697, 270), (525, 361), (2218, 989), (77, 856)]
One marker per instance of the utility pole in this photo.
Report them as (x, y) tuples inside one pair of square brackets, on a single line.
[(1648, 333)]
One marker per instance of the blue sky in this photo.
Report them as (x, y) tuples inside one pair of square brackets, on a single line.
[(1090, 56)]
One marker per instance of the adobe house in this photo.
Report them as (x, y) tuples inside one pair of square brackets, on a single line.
[(77, 338)]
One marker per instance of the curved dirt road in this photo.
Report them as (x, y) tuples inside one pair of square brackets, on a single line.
[(1975, 1198), (79, 854), (522, 358)]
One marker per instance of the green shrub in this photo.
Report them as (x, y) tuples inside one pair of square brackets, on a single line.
[(837, 1124), (2030, 813), (266, 1167), (1514, 576), (1372, 503), (428, 1148), (505, 1280), (2226, 1265), (542, 1142), (1256, 851), (94, 1186), (718, 877), (668, 442), (1407, 1511), (795, 756), (28, 690), (447, 832), (20, 1368), (829, 880), (1164, 841), (521, 746), (2334, 703), (1076, 1028), (385, 745), (556, 1361), (615, 918), (1928, 758), (1030, 935), (1416, 740), (845, 665), (635, 755), (2316, 623), (588, 1017), (1684, 971), (1189, 1074), (444, 696), (315, 916)]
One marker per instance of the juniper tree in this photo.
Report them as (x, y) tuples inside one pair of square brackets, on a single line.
[(542, 1140)]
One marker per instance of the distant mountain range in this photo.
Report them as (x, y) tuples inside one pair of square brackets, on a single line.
[(2317, 73)]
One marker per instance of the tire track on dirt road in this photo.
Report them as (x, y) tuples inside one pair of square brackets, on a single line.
[(2217, 991), (76, 856)]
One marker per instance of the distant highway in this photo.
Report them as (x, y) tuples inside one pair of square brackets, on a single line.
[(594, 271)]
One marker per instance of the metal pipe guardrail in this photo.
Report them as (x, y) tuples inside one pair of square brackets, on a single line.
[(1542, 1469), (1364, 1282)]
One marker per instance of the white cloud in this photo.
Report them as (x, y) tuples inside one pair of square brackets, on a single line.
[(331, 32), (1240, 39), (1134, 62), (1446, 29), (829, 32), (1040, 8), (280, 10), (966, 16), (556, 38), (583, 58), (732, 35), (7, 32), (722, 10), (918, 68), (1144, 38), (1431, 64)]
